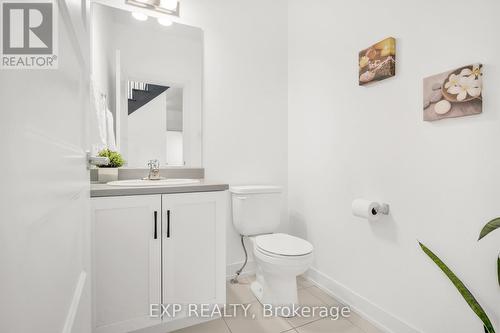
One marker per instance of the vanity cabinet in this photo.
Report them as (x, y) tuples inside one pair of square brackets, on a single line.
[(156, 249), (193, 241), (126, 261)]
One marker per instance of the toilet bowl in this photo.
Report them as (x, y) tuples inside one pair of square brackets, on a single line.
[(279, 257)]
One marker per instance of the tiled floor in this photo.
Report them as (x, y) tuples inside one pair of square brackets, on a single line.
[(256, 323)]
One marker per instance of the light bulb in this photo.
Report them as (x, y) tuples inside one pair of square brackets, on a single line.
[(139, 16), (165, 21)]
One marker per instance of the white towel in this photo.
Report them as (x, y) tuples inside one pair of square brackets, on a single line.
[(104, 121), (101, 120), (110, 131)]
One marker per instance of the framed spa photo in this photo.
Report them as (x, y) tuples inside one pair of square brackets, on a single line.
[(455, 93), (378, 62)]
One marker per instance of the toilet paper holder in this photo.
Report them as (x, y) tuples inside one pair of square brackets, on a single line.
[(382, 208), (368, 209)]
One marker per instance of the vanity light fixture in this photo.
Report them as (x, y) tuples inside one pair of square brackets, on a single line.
[(165, 21), (139, 16), (169, 4), (170, 7)]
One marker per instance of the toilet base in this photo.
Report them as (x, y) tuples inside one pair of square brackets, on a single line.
[(256, 289), (282, 310), (276, 280), (277, 293)]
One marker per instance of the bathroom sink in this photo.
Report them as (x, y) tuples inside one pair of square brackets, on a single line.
[(147, 182)]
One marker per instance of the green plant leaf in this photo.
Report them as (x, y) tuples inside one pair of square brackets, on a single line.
[(115, 158), (462, 289), (498, 269), (489, 227)]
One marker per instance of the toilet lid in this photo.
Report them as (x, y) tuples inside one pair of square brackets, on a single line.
[(283, 244)]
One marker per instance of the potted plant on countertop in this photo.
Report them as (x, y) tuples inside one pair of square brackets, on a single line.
[(108, 173)]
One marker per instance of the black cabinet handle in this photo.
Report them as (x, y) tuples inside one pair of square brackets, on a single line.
[(168, 223), (156, 225)]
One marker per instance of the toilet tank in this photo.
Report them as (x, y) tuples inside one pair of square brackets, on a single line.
[(256, 209)]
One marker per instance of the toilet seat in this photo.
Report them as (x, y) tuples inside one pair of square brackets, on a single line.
[(282, 245)]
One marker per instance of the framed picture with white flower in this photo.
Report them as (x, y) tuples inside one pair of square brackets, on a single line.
[(455, 93)]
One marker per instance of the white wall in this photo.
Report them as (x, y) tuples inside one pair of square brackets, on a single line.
[(245, 103), (174, 148), (175, 98), (147, 133), (440, 178)]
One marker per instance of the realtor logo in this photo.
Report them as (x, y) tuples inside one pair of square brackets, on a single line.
[(29, 34)]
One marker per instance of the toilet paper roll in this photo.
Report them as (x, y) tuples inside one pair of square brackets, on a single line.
[(366, 209)]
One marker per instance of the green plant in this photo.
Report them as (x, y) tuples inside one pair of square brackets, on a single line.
[(489, 227), (462, 289), (115, 158)]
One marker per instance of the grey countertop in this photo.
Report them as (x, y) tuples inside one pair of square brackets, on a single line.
[(104, 190)]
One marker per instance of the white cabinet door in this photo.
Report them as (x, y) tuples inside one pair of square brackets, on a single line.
[(127, 261), (194, 226)]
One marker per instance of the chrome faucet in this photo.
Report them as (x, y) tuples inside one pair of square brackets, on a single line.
[(154, 170)]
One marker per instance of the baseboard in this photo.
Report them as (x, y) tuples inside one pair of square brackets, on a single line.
[(175, 325), (232, 268), (362, 306), (75, 303)]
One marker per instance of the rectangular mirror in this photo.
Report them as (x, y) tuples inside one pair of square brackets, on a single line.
[(147, 86)]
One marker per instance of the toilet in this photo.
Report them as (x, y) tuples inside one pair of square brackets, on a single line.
[(279, 257)]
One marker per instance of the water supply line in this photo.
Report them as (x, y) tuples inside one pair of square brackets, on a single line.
[(238, 272)]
